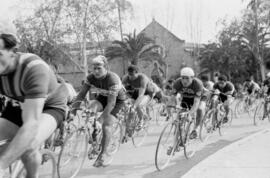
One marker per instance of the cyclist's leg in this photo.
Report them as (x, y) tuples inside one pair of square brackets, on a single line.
[(107, 124), (46, 126), (214, 105), (144, 100), (227, 104), (200, 112), (7, 130), (32, 158)]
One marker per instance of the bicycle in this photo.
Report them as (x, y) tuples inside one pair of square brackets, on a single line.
[(84, 142), (131, 126), (214, 118), (174, 137), (260, 112)]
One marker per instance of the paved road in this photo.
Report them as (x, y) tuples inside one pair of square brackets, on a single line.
[(139, 162)]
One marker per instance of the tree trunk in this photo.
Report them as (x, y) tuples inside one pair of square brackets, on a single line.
[(85, 64)]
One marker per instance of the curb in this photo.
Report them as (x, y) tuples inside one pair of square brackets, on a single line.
[(226, 149)]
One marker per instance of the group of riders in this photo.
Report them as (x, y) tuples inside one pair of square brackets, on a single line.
[(37, 99)]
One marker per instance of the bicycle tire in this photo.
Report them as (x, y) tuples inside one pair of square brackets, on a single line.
[(185, 138), (115, 142), (137, 139), (258, 114), (70, 168), (206, 126), (173, 130)]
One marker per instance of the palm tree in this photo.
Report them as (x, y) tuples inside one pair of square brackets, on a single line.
[(135, 48)]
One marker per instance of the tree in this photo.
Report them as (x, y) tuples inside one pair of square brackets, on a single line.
[(134, 48), (256, 30), (229, 55)]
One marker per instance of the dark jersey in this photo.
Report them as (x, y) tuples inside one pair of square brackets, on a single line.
[(110, 84), (141, 81), (33, 78), (228, 87), (192, 91)]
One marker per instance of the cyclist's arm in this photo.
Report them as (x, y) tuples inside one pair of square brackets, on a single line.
[(31, 134), (81, 95), (195, 105), (142, 90)]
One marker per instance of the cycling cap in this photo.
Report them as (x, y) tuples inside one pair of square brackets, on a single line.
[(187, 71)]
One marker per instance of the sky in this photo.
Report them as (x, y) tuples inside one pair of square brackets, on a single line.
[(190, 20)]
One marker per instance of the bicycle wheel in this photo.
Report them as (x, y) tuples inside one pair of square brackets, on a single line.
[(166, 146), (72, 154), (220, 121), (258, 114), (114, 144), (206, 128), (189, 144), (140, 131), (239, 108)]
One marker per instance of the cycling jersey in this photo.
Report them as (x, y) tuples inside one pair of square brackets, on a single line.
[(32, 78), (252, 86), (71, 93), (109, 84), (208, 85), (195, 89), (267, 83), (141, 81), (227, 88)]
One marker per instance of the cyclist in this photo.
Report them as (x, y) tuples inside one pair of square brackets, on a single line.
[(191, 88), (140, 88), (109, 100), (251, 88), (266, 90), (72, 94), (39, 108), (207, 84), (226, 89)]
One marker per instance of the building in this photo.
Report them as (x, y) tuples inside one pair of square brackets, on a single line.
[(178, 53)]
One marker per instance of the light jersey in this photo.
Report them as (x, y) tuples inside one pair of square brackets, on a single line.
[(71, 92), (139, 82), (110, 84), (33, 78), (195, 89), (209, 85)]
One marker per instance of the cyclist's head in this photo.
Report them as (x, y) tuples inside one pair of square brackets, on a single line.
[(222, 79), (133, 71), (100, 66), (248, 81), (187, 75), (205, 78), (8, 44)]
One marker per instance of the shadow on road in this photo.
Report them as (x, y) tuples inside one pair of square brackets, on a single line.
[(182, 166)]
